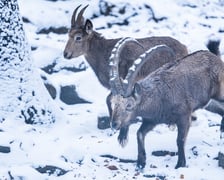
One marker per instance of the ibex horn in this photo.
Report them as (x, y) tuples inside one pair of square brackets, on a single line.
[(115, 79), (74, 16), (80, 18), (129, 81)]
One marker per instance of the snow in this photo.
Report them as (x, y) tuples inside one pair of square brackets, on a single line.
[(73, 142)]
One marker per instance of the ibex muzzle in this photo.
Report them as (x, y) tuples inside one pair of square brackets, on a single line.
[(79, 33)]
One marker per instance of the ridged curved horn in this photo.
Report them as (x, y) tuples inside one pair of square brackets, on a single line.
[(129, 81), (80, 18), (74, 16), (115, 79)]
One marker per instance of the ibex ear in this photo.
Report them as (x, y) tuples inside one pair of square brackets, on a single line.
[(88, 26), (137, 93)]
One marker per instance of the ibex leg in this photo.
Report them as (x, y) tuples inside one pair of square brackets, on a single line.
[(183, 126), (142, 131)]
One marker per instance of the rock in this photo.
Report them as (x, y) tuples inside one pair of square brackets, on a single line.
[(222, 125), (68, 93), (163, 153), (69, 96), (51, 89), (26, 20), (103, 122), (56, 30), (55, 67), (157, 177), (112, 167), (121, 15), (5, 149), (221, 159), (121, 160), (49, 169), (106, 8)]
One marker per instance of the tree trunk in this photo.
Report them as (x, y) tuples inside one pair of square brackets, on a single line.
[(22, 93)]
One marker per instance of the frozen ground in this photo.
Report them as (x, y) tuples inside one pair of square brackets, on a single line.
[(74, 144)]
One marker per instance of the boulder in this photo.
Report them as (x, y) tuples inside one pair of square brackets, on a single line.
[(69, 96)]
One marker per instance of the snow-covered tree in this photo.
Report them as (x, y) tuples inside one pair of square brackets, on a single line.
[(22, 93)]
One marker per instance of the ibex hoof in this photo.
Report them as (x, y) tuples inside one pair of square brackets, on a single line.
[(222, 135), (139, 169), (140, 165)]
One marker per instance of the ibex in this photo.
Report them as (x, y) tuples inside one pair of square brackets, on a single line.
[(83, 40), (168, 95), (157, 61)]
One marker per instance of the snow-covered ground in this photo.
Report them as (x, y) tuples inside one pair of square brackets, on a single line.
[(74, 143)]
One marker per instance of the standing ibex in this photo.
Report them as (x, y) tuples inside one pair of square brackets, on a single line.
[(168, 95), (157, 61), (83, 40)]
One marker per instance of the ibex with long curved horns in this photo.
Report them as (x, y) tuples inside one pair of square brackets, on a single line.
[(157, 61), (168, 95)]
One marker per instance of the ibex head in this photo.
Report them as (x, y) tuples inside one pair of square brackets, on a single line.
[(124, 108), (79, 34), (127, 94)]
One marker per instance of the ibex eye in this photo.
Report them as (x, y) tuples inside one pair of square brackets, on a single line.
[(129, 106), (78, 38)]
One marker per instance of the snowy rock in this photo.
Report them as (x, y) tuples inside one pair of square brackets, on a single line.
[(49, 169), (51, 89), (4, 149), (221, 159), (103, 122), (69, 96), (56, 30)]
